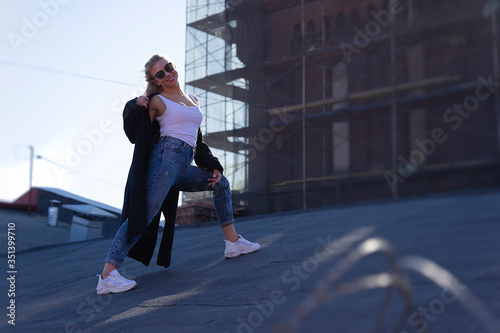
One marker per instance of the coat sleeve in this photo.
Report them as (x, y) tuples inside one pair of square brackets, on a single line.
[(204, 158), (132, 114)]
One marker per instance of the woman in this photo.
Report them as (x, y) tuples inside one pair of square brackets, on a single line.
[(157, 175)]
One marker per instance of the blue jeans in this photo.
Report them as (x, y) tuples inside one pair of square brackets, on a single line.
[(170, 167)]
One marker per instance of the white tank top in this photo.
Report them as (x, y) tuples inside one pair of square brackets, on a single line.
[(180, 121)]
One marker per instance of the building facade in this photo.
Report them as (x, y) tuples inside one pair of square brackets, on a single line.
[(323, 102)]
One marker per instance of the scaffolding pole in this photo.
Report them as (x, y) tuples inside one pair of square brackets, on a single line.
[(304, 195), (394, 106), (496, 70)]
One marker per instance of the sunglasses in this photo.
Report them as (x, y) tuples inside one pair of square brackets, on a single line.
[(161, 74)]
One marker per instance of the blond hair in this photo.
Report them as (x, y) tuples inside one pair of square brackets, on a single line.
[(152, 87)]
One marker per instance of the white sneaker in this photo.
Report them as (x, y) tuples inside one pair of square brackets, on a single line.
[(114, 283), (241, 246)]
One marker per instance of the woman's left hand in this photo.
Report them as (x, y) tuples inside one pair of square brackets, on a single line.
[(216, 177)]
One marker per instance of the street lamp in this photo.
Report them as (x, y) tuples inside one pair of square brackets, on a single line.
[(32, 153)]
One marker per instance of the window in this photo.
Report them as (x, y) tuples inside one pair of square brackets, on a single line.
[(310, 32), (341, 146), (340, 20), (369, 12), (340, 84), (355, 17), (326, 27), (297, 39), (417, 117)]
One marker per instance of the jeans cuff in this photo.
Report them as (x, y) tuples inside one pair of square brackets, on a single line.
[(228, 222), (113, 262)]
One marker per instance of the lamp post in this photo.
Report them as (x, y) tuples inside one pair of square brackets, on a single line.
[(32, 153)]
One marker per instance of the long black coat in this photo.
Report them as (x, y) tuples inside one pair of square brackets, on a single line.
[(140, 131)]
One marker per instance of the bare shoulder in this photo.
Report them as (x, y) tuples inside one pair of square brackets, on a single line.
[(155, 101), (195, 98), (156, 105)]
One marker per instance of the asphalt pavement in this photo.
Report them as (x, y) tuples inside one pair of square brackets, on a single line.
[(414, 265)]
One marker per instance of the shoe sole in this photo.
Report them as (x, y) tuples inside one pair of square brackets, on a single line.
[(105, 291), (237, 254)]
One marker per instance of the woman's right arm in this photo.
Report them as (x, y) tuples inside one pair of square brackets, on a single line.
[(154, 108), (154, 105)]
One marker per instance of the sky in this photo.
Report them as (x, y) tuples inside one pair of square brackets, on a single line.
[(67, 68)]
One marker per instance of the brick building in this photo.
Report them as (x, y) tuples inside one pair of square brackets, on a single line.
[(324, 102)]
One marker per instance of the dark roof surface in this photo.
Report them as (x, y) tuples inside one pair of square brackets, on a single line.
[(203, 292)]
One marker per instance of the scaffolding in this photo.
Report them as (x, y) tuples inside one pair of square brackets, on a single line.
[(212, 75), (293, 111)]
